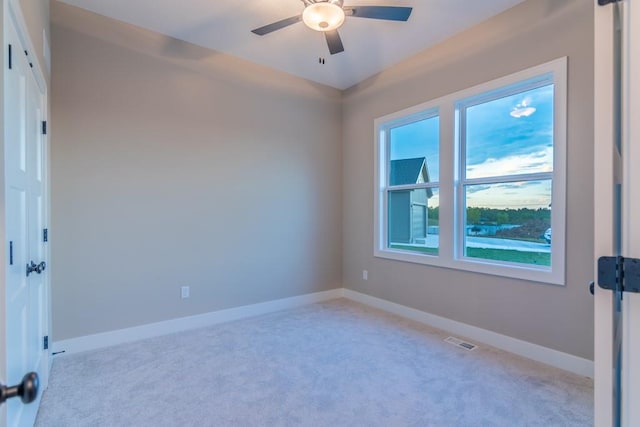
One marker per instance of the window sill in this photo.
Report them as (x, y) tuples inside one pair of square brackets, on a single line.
[(510, 270)]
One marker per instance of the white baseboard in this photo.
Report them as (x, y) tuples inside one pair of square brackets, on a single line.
[(526, 349), (121, 336)]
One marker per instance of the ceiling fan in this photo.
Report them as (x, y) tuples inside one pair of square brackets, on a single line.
[(328, 15)]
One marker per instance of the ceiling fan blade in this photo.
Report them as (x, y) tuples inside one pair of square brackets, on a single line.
[(391, 13), (334, 42), (277, 25)]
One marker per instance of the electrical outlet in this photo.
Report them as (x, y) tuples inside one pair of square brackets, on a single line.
[(184, 292), (365, 275)]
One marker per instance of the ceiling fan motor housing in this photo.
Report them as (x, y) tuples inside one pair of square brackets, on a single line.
[(310, 2), (323, 15)]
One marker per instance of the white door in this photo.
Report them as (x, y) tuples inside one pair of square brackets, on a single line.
[(27, 306), (617, 209)]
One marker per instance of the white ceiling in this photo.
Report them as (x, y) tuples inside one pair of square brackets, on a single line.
[(370, 45)]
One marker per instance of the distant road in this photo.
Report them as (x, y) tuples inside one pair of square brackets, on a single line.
[(516, 245), (491, 243)]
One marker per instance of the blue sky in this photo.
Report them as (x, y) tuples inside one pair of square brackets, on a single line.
[(500, 143), (507, 136), (418, 139)]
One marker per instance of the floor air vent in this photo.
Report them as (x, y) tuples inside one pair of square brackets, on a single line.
[(462, 344)]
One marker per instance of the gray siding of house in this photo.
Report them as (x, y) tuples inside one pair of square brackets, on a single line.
[(407, 216), (399, 217), (419, 201), (418, 222)]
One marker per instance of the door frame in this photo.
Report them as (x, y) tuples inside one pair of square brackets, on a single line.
[(631, 211), (605, 160), (10, 10), (609, 169), (3, 249)]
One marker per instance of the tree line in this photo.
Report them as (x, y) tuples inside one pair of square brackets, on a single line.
[(500, 216)]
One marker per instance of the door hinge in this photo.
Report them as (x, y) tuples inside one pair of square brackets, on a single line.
[(44, 127), (11, 252), (45, 342), (617, 273), (27, 55), (10, 58), (45, 235)]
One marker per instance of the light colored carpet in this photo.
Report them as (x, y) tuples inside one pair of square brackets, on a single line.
[(332, 364)]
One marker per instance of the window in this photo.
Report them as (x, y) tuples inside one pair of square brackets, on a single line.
[(476, 180), (412, 183)]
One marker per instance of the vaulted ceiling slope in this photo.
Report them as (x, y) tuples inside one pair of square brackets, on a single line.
[(371, 45)]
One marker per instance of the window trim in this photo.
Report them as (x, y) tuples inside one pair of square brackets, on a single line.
[(420, 112), (451, 183)]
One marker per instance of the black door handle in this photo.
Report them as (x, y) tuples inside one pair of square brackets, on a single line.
[(592, 288), (41, 267), (27, 389), (32, 267)]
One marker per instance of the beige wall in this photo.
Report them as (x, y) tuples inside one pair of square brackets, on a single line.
[(532, 33), (174, 165)]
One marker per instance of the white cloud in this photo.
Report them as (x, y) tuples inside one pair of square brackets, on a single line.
[(538, 161), (523, 109)]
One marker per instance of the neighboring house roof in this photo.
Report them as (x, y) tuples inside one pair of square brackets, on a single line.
[(409, 171), (406, 171)]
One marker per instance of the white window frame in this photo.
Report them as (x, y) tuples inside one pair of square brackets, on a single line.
[(451, 178), (385, 131)]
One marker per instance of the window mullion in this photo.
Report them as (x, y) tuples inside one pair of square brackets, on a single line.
[(413, 186), (542, 176), (460, 211), (447, 180)]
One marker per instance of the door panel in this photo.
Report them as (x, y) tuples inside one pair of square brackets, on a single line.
[(27, 307), (35, 224)]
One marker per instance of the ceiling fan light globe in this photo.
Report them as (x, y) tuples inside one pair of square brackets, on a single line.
[(323, 16)]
